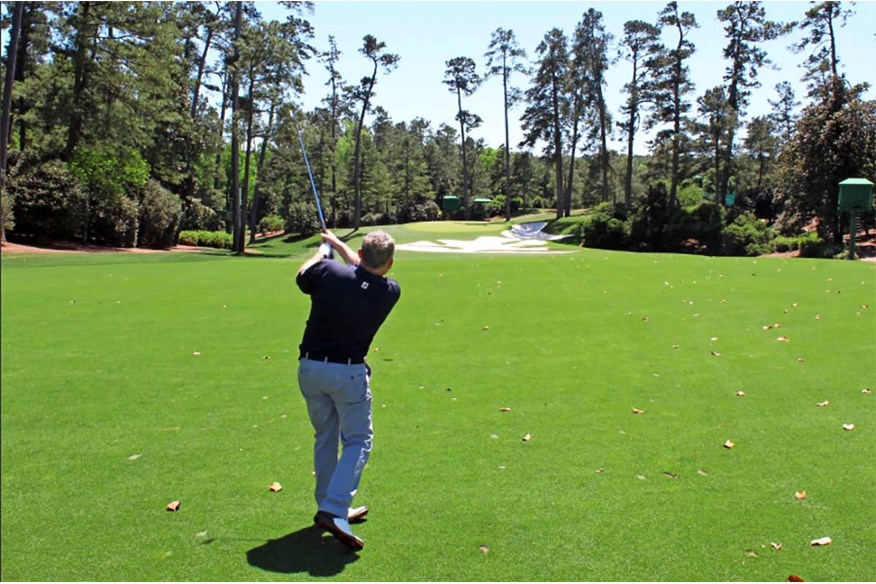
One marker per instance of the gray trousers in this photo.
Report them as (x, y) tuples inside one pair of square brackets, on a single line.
[(338, 400)]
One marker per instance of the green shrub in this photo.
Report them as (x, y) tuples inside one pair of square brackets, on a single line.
[(747, 235), (217, 239), (784, 243), (199, 217), (607, 227), (369, 219), (696, 229), (690, 194), (48, 203), (271, 223), (113, 219), (813, 246), (649, 219), (419, 210), (302, 218), (160, 215)]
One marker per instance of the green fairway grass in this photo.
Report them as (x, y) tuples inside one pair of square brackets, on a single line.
[(130, 381)]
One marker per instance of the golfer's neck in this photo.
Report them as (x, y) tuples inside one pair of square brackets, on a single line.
[(381, 272)]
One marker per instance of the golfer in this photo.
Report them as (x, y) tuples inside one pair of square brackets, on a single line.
[(348, 303)]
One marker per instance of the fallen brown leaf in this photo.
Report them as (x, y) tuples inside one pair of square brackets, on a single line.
[(740, 393), (783, 339), (670, 475), (800, 495), (527, 438), (866, 391), (504, 409), (821, 541), (715, 354), (729, 444), (638, 411), (848, 427), (823, 404), (776, 546), (275, 487), (173, 506), (600, 471), (767, 327), (134, 456), (751, 554), (793, 578), (484, 549)]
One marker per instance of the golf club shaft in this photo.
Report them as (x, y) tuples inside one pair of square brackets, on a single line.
[(312, 183)]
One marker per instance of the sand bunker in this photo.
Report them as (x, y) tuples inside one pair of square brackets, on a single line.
[(520, 239)]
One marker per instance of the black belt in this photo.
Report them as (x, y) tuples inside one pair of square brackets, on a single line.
[(331, 358)]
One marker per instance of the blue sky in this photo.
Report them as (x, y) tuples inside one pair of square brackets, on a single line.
[(427, 34)]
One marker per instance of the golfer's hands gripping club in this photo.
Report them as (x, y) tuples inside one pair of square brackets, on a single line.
[(346, 253)]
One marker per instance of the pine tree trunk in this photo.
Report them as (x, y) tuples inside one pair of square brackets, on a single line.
[(257, 196), (235, 141), (603, 135), (507, 143), (465, 195), (357, 180), (6, 113), (202, 62)]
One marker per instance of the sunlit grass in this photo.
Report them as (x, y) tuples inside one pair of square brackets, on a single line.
[(189, 362)]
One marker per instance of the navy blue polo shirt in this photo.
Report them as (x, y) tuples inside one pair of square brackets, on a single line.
[(347, 306)]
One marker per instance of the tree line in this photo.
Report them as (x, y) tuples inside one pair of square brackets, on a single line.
[(125, 123)]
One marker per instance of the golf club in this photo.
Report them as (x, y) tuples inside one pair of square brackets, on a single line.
[(325, 246), (312, 183)]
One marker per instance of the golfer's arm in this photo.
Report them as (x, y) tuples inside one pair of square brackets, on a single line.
[(314, 260), (350, 256)]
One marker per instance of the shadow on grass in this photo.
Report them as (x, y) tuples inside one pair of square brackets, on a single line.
[(305, 550)]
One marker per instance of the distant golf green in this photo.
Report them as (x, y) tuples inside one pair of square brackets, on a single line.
[(506, 443)]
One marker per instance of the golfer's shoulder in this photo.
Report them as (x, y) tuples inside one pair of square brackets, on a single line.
[(336, 269), (393, 287)]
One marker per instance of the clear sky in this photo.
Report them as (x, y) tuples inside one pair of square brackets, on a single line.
[(427, 34)]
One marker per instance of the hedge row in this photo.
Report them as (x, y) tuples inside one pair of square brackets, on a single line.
[(218, 239)]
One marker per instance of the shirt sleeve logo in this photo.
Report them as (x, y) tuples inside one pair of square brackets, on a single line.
[(364, 285)]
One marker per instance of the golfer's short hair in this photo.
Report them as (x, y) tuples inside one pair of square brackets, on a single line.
[(377, 249)]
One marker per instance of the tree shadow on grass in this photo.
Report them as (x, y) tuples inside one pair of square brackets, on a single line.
[(305, 550)]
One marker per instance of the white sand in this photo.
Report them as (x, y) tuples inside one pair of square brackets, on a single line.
[(521, 239)]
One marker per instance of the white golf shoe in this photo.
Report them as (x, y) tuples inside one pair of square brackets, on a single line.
[(357, 514), (338, 527)]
